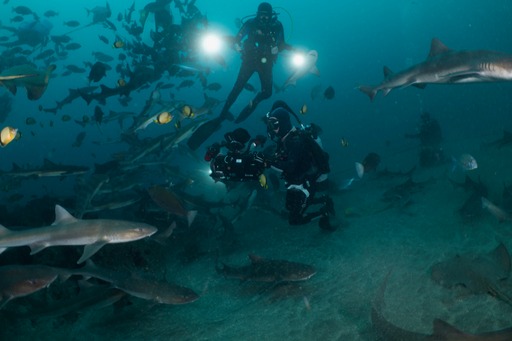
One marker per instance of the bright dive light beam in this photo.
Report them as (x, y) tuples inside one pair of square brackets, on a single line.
[(298, 60), (211, 43)]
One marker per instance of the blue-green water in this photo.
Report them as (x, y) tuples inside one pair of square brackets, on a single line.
[(354, 40)]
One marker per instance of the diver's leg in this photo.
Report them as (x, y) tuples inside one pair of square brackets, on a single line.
[(246, 71), (265, 74)]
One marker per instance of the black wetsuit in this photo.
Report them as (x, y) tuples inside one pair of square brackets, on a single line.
[(294, 157), (257, 57)]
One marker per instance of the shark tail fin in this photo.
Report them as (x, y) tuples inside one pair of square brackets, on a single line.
[(369, 91)]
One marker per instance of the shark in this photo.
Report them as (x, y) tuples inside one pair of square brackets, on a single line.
[(446, 66), (476, 275), (34, 80), (48, 168), (150, 289), (22, 280), (68, 230), (268, 271), (442, 331)]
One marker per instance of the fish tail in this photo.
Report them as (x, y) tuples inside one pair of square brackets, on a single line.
[(369, 91)]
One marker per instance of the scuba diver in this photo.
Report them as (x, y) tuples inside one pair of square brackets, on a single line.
[(303, 165), (298, 156), (430, 136), (259, 40)]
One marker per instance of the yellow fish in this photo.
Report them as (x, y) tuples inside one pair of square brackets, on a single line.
[(187, 111), (118, 44), (121, 82), (163, 118), (303, 110), (263, 181), (7, 135)]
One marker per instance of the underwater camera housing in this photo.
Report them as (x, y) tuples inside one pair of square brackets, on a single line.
[(239, 163), (237, 167)]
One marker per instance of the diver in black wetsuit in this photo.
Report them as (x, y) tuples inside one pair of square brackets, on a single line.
[(303, 165), (264, 40)]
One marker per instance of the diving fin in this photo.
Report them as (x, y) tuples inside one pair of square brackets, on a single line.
[(246, 112), (204, 132)]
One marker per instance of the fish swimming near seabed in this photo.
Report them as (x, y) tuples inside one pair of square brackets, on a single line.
[(446, 66), (68, 230), (482, 274), (442, 331), (22, 280), (268, 270), (146, 288)]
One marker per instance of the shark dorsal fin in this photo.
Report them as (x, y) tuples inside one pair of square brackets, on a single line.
[(62, 216), (48, 164), (4, 230), (442, 328), (437, 47), (387, 72)]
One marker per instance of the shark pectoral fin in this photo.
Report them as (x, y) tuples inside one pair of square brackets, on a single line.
[(10, 86), (90, 250), (443, 329), (35, 248), (386, 91)]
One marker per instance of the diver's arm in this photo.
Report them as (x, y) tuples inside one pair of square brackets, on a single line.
[(290, 162)]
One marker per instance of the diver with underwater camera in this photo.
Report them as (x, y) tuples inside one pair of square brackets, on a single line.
[(298, 157)]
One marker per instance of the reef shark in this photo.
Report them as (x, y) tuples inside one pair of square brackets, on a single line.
[(68, 230), (268, 270), (22, 280), (477, 275), (146, 288), (442, 331), (446, 66), (48, 168)]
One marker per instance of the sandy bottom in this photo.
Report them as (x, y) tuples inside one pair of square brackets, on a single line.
[(334, 304)]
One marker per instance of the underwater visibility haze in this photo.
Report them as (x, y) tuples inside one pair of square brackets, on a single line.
[(143, 198)]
